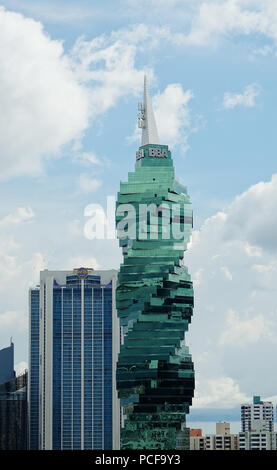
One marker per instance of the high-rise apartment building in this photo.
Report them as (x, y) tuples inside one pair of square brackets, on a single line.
[(258, 410), (74, 341)]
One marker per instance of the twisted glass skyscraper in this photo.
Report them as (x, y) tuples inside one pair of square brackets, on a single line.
[(155, 375)]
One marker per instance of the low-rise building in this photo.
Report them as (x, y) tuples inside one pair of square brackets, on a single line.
[(197, 441), (259, 438), (13, 413), (222, 440)]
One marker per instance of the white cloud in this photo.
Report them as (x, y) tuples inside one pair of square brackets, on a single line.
[(203, 23), (210, 21), (22, 214), (67, 91), (43, 107), (89, 184), (241, 331), (247, 98), (16, 270), (227, 273), (252, 217), (74, 228), (173, 114), (235, 320), (12, 270), (219, 392), (20, 367), (265, 50), (107, 65), (214, 19), (59, 106), (13, 320), (82, 261), (88, 158)]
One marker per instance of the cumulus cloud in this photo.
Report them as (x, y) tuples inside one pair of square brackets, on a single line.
[(173, 114), (22, 214), (233, 260), (43, 107), (20, 367), (107, 65), (88, 158), (227, 273), (13, 271), (82, 260), (247, 98), (67, 91), (89, 184), (252, 216), (13, 320), (79, 86), (209, 21), (203, 23), (20, 269), (241, 331), (219, 392)]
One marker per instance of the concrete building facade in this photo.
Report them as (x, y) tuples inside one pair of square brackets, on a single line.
[(222, 440)]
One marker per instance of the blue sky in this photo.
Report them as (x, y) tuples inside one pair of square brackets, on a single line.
[(71, 75)]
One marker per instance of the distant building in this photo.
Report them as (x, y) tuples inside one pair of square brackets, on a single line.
[(73, 346), (254, 441), (195, 432), (7, 364), (222, 440), (258, 438), (13, 404), (197, 441), (223, 428), (258, 410)]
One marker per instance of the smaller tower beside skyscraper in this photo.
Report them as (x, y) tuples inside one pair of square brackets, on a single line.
[(13, 403), (73, 347), (7, 363)]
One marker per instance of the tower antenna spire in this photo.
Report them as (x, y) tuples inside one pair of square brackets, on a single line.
[(147, 120)]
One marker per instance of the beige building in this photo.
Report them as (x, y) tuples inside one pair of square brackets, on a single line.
[(259, 438), (223, 428), (222, 440), (197, 442)]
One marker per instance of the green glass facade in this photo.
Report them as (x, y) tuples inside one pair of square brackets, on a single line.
[(155, 374)]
